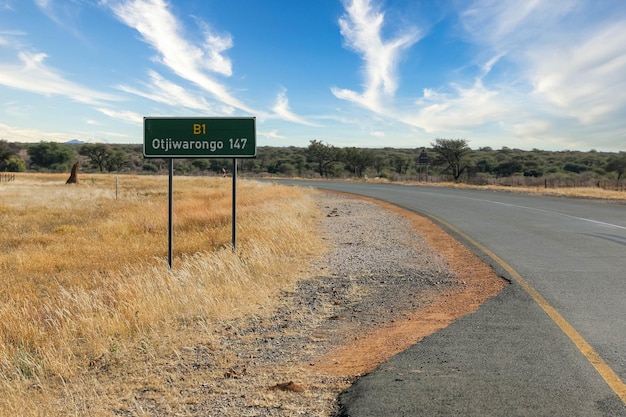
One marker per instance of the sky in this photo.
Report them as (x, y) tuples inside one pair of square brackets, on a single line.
[(526, 74)]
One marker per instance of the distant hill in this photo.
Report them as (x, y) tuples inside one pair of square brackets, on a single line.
[(75, 142)]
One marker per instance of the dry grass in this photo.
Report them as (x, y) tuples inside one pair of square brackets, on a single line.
[(85, 277), (581, 192)]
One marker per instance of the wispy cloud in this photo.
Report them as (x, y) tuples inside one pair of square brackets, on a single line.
[(64, 13), (273, 134), (6, 5), (46, 6), (281, 109), (126, 116), (462, 109), (32, 74), (161, 30), (561, 72), (164, 91), (33, 135), (11, 38), (507, 24), (362, 29), (576, 67), (583, 78)]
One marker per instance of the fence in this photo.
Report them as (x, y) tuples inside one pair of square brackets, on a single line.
[(552, 181), (7, 176)]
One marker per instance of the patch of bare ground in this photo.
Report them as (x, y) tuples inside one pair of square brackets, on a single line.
[(475, 282), (389, 279)]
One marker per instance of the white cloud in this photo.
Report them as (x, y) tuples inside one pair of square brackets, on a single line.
[(63, 13), (29, 135), (362, 27), (462, 110), (45, 5), (6, 5), (161, 29), (281, 109), (576, 67), (583, 78), (33, 75), (164, 91), (33, 135), (126, 116), (272, 134), (505, 25)]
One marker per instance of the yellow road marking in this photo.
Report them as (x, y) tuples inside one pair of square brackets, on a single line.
[(605, 371)]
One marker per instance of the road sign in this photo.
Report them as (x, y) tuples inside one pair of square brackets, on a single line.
[(193, 137), (423, 158)]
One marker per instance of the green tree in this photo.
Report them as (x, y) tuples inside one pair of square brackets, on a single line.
[(379, 163), (201, 164), (51, 155), (15, 164), (5, 154), (323, 155), (98, 153), (453, 152), (508, 168), (401, 162), (117, 160), (617, 164), (358, 160)]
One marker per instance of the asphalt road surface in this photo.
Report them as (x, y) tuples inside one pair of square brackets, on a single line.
[(551, 344)]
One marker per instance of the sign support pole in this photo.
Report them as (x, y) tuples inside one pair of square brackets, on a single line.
[(170, 229), (234, 219)]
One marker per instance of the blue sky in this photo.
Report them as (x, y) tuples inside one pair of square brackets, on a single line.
[(545, 74)]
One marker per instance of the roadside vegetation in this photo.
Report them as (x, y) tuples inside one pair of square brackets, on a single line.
[(85, 281), (447, 160)]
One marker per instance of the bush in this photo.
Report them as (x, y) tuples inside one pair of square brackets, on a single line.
[(15, 164), (150, 167), (52, 156)]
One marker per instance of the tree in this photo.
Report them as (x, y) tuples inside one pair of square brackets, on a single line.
[(5, 154), (51, 155), (15, 164), (379, 164), (117, 160), (508, 168), (323, 155), (98, 153), (358, 160), (617, 164), (201, 164), (453, 152), (401, 162)]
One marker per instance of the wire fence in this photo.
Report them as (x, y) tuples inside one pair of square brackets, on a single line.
[(7, 176)]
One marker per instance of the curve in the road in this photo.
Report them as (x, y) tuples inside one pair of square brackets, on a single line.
[(607, 373)]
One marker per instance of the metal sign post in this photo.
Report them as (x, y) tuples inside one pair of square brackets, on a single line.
[(170, 215), (423, 160), (234, 219), (193, 137)]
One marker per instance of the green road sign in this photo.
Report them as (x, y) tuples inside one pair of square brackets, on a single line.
[(192, 137)]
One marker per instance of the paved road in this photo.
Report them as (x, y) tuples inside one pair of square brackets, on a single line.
[(551, 344)]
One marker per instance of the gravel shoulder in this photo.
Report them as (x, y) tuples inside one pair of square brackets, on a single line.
[(389, 279)]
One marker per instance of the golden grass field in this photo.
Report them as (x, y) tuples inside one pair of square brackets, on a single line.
[(84, 276)]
